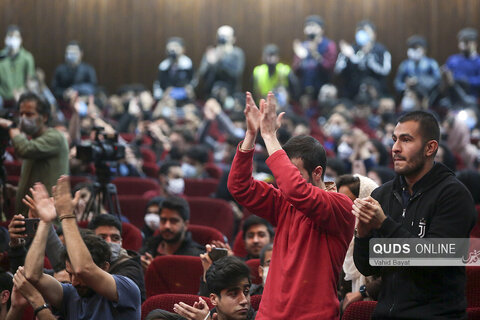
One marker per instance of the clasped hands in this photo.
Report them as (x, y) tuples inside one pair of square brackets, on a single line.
[(370, 215)]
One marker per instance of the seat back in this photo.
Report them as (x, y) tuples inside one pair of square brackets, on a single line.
[(133, 207), (135, 185), (360, 310), (216, 213), (253, 264), (173, 274), (168, 300), (131, 237), (239, 245), (472, 288), (255, 301), (200, 187), (204, 234)]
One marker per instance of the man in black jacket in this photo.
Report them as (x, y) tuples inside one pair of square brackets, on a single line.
[(123, 262), (174, 237), (425, 200)]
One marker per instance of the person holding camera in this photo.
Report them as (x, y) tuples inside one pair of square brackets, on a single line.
[(45, 155)]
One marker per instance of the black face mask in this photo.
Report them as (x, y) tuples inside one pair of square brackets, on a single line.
[(311, 36), (172, 55), (221, 40)]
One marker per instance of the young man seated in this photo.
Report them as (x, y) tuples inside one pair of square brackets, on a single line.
[(93, 293)]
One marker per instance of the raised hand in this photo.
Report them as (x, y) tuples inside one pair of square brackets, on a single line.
[(43, 203), (63, 197), (369, 213), (269, 121), (252, 115)]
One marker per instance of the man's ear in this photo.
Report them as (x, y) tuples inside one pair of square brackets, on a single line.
[(106, 266), (430, 148), (213, 299), (317, 173), (260, 271), (187, 223), (4, 296)]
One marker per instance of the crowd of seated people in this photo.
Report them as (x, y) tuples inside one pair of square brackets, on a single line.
[(158, 155)]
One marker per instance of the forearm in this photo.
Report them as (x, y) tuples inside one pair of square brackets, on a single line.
[(77, 250), (272, 143), (54, 249), (36, 253), (15, 313), (249, 141)]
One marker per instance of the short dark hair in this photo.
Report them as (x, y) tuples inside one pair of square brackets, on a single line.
[(98, 248), (198, 153), (265, 249), (309, 150), (226, 273), (42, 106), (255, 220), (74, 43), (155, 201), (271, 49), (13, 27), (165, 167), (416, 41), (428, 124), (366, 23), (179, 205), (467, 34), (350, 181), (6, 283), (105, 220), (315, 19), (177, 40), (337, 165)]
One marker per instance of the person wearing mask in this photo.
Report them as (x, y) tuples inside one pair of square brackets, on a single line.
[(223, 63), (44, 155), (418, 69), (174, 237), (16, 66), (314, 58), (123, 262), (74, 74), (175, 73), (464, 67), (274, 76), (366, 59)]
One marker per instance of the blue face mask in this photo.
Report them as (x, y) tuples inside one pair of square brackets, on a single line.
[(362, 37)]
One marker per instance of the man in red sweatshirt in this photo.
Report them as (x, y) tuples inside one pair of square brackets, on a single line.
[(314, 227)]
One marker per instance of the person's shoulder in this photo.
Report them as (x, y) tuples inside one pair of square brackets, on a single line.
[(26, 53), (125, 282), (185, 62)]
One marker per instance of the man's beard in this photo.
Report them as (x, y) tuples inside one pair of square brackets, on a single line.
[(84, 292), (177, 236), (417, 163)]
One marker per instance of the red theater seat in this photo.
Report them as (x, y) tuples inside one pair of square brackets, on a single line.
[(216, 213), (360, 310), (253, 264), (200, 187), (135, 185), (173, 274)]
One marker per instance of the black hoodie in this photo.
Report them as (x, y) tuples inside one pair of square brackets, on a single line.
[(445, 208)]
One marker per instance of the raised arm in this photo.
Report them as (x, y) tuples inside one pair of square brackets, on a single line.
[(50, 288), (83, 266)]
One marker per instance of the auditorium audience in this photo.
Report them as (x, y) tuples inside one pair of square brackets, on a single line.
[(189, 137)]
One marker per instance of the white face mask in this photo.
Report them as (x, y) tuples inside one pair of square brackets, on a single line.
[(115, 248), (13, 43), (265, 273), (415, 54), (152, 220), (344, 150), (176, 186)]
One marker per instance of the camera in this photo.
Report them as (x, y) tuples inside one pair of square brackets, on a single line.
[(103, 149)]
